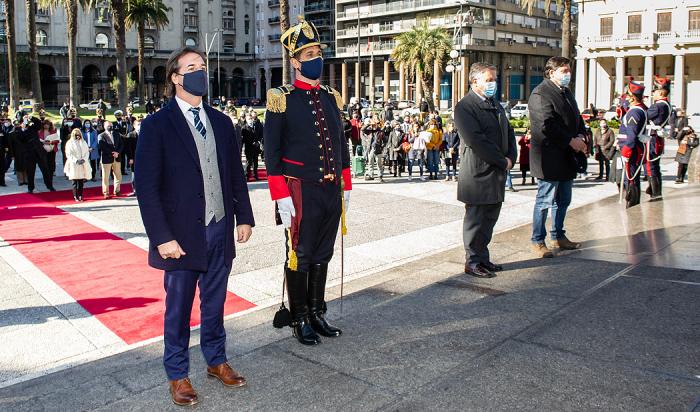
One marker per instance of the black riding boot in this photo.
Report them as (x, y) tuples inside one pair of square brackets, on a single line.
[(632, 195), (297, 290), (655, 183), (317, 304)]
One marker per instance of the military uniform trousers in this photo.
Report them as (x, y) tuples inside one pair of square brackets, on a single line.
[(320, 218), (180, 287), (656, 147)]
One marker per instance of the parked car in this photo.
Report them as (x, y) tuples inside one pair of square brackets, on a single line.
[(405, 104), (93, 105), (611, 114), (520, 111), (27, 104), (135, 102), (216, 102), (694, 121)]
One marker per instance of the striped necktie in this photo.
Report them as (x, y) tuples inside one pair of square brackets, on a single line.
[(198, 122)]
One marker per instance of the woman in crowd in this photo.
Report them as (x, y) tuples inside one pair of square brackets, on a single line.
[(90, 137), (687, 141), (77, 166), (524, 143), (395, 152), (433, 148), (49, 139), (604, 148), (417, 152)]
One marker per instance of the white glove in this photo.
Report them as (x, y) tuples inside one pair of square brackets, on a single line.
[(285, 206), (347, 200)]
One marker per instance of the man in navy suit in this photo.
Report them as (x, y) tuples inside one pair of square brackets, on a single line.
[(192, 192)]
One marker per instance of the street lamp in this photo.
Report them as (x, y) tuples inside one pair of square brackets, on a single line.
[(207, 48)]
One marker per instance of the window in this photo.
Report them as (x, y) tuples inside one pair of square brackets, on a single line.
[(190, 20), (102, 12), (41, 38), (663, 22), (634, 24), (247, 48), (190, 42), (247, 25), (606, 26), (228, 46), (149, 43), (694, 20), (101, 41)]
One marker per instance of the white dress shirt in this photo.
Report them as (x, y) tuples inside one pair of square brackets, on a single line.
[(185, 108)]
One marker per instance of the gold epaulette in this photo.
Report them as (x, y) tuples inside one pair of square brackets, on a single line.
[(338, 97), (277, 98)]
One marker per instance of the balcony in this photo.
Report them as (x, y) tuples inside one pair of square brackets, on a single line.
[(381, 48), (273, 38), (191, 29), (273, 3), (405, 6), (317, 7), (689, 37), (398, 27), (273, 20), (43, 17), (646, 40)]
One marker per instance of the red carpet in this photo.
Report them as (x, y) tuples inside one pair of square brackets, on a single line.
[(262, 175), (105, 274)]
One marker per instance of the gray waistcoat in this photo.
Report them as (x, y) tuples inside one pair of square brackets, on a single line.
[(213, 196)]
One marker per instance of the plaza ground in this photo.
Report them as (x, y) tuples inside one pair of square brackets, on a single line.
[(611, 327)]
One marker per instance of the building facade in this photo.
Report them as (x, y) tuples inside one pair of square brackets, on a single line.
[(228, 26), (496, 31), (619, 40)]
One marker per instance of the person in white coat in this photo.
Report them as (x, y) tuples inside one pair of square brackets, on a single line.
[(77, 166)]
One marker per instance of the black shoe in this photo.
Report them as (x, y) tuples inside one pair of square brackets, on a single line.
[(479, 271), (30, 190), (51, 189), (317, 305), (302, 330), (493, 267)]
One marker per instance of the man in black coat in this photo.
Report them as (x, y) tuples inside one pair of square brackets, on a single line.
[(252, 133), (488, 151), (558, 133), (34, 152)]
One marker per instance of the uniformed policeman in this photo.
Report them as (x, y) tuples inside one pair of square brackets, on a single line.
[(308, 168), (659, 114), (632, 132)]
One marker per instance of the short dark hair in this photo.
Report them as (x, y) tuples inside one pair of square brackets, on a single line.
[(173, 65), (554, 63)]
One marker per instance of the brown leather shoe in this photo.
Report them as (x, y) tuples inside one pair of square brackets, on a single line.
[(541, 250), (182, 392), (227, 375), (565, 244)]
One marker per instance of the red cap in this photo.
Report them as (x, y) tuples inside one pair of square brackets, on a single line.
[(662, 83), (635, 88)]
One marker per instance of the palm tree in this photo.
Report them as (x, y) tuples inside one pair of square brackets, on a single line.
[(419, 50), (71, 9), (119, 26), (284, 26), (140, 13), (565, 20), (11, 42), (33, 54)]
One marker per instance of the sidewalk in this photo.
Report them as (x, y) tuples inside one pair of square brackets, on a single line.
[(614, 326)]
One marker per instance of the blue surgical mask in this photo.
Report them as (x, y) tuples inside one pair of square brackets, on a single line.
[(195, 83), (490, 89), (565, 79), (312, 69)]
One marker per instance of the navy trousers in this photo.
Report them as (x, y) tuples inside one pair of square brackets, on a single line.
[(180, 286)]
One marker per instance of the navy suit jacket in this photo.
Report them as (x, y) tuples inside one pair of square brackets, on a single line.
[(171, 188)]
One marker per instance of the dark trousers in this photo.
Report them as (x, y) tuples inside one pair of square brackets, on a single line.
[(94, 164), (321, 209), (38, 157), (124, 163), (682, 170), (78, 188), (451, 162), (479, 221), (251, 159), (51, 162), (180, 286)]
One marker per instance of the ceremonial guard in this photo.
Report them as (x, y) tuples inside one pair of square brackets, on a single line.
[(308, 169), (659, 114), (631, 140)]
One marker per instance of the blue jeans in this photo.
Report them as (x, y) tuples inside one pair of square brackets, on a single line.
[(509, 180), (410, 166), (555, 195), (433, 161)]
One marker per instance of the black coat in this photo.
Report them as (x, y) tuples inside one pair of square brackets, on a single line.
[(486, 140), (106, 147), (252, 137), (554, 121)]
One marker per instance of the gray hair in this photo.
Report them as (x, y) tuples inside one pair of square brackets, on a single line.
[(479, 67)]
